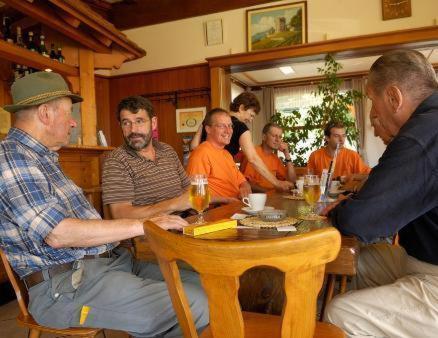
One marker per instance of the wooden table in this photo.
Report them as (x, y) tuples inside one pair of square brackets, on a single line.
[(262, 288)]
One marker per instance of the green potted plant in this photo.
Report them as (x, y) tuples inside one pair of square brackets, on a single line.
[(335, 106)]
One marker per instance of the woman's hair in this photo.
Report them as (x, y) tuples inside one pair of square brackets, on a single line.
[(249, 100)]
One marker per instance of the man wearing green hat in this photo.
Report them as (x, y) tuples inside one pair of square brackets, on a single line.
[(57, 243)]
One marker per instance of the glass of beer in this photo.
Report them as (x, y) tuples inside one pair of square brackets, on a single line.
[(311, 191), (199, 195)]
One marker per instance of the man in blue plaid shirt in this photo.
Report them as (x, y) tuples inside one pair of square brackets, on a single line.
[(56, 241)]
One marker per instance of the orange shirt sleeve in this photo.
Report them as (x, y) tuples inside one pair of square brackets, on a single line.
[(198, 163), (311, 165)]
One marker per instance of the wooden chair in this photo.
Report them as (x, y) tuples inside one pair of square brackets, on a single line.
[(25, 319), (220, 263)]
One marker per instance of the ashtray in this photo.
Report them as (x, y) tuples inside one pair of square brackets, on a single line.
[(272, 215)]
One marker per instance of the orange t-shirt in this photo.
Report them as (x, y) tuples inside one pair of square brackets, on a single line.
[(217, 164), (348, 162), (271, 161)]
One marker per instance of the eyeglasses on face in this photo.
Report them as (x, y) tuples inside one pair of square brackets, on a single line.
[(223, 126), (137, 122)]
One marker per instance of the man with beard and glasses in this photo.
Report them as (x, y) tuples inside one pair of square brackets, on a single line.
[(143, 177)]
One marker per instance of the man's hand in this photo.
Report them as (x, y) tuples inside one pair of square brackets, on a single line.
[(333, 205), (284, 148), (167, 222), (284, 186), (244, 189)]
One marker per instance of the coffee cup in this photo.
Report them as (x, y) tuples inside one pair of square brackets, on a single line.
[(255, 201), (334, 186)]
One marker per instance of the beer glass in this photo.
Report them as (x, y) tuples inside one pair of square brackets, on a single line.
[(199, 195), (311, 191)]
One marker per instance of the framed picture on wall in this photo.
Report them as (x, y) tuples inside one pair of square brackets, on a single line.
[(188, 120), (276, 26)]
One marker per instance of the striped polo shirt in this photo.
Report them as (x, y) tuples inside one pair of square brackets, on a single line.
[(129, 177)]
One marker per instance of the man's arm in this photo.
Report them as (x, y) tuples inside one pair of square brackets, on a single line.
[(127, 210), (72, 232), (399, 189), (253, 158), (291, 175)]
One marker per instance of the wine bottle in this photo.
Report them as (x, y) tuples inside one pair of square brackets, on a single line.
[(59, 55), (30, 43), (52, 52), (42, 48), (19, 39), (7, 35)]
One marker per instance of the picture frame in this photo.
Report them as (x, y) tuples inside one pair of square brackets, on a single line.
[(213, 32), (188, 120), (276, 26)]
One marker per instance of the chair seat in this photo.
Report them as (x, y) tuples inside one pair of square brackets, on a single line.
[(29, 322), (259, 325)]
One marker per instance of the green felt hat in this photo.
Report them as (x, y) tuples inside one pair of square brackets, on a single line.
[(38, 88)]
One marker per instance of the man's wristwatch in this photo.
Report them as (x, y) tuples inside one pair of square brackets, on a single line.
[(287, 160)]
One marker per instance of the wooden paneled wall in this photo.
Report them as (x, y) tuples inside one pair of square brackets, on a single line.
[(151, 83)]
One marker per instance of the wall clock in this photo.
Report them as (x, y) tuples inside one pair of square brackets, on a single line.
[(394, 9)]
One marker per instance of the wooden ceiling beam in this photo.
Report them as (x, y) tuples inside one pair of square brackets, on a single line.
[(126, 15), (96, 23), (45, 14)]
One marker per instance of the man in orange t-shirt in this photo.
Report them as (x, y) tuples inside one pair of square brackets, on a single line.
[(348, 162), (271, 143), (210, 158)]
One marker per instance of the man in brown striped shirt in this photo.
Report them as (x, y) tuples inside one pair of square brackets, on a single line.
[(143, 177)]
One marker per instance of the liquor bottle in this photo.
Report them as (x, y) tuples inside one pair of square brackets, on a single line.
[(59, 56), (19, 40), (30, 43), (52, 52), (18, 71), (42, 48), (6, 29)]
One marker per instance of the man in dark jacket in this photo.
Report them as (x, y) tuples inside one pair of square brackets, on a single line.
[(398, 284)]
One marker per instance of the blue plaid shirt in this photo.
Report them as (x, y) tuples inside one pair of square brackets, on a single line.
[(35, 196)]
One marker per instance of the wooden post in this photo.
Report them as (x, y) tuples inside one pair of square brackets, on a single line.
[(87, 88), (220, 88)]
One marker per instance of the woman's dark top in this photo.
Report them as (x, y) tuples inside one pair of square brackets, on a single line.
[(238, 129)]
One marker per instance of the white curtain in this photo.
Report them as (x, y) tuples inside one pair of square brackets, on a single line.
[(361, 115)]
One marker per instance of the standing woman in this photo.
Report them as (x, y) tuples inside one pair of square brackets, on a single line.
[(242, 110)]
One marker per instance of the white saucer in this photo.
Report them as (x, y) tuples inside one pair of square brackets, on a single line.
[(248, 210)]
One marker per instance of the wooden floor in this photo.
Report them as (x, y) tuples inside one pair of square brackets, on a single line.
[(10, 329)]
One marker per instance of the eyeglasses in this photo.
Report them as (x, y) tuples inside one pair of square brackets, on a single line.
[(223, 126), (138, 123)]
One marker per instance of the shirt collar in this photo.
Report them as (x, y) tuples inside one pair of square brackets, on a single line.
[(156, 144), (27, 140)]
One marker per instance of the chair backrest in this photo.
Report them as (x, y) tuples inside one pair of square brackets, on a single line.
[(220, 263), (18, 285)]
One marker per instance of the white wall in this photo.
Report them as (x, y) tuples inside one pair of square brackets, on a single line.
[(182, 42)]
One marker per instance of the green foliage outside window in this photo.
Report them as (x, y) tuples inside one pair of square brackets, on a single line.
[(335, 106)]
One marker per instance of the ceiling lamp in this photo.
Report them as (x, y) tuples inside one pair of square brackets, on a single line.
[(287, 70)]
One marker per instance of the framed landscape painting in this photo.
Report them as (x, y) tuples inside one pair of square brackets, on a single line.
[(277, 26)]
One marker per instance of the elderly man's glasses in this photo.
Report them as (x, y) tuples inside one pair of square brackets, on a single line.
[(138, 123)]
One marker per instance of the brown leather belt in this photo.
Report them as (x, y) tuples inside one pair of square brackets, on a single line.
[(38, 277)]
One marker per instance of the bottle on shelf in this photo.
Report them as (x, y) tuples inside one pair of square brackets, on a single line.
[(18, 71), (52, 52), (6, 29), (19, 39), (42, 48), (30, 43), (59, 55)]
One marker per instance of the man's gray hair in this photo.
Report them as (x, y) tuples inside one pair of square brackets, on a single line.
[(408, 69)]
